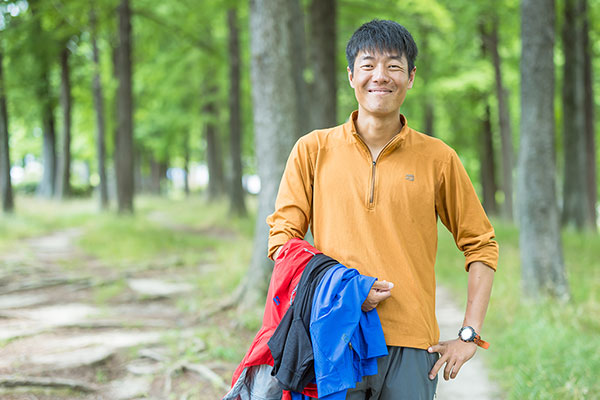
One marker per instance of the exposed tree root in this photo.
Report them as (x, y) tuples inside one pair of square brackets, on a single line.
[(9, 381)]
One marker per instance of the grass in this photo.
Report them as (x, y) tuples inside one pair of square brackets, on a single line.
[(541, 350), (544, 350)]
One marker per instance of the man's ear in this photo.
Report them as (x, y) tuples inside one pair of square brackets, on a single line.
[(350, 77), (411, 78)]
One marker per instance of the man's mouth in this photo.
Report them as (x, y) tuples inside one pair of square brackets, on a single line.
[(380, 91)]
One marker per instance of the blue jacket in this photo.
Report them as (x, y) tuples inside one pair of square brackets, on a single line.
[(346, 341)]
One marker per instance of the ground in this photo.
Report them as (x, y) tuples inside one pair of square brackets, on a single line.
[(73, 326)]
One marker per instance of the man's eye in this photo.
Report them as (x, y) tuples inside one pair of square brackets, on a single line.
[(367, 66), (395, 66)]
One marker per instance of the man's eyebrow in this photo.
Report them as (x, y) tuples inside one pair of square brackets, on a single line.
[(367, 57)]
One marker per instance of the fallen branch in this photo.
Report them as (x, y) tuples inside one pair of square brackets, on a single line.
[(9, 381)]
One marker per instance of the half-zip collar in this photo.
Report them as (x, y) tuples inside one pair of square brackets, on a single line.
[(395, 142)]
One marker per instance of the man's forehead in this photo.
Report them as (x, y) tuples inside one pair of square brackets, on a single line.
[(373, 54)]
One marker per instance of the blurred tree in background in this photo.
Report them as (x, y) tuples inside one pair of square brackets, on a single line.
[(112, 98)]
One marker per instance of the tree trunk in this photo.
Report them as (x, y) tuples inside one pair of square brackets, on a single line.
[(275, 111), (5, 182), (64, 176), (488, 167), (295, 22), (99, 108), (186, 164), (590, 131), (124, 140), (214, 157), (490, 40), (542, 263), (427, 78), (575, 198), (47, 186), (236, 192), (323, 98)]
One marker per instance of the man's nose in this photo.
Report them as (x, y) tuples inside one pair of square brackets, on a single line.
[(380, 74)]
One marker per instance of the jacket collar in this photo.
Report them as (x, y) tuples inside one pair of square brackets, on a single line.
[(396, 141)]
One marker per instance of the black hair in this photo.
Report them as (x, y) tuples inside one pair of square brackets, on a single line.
[(382, 35)]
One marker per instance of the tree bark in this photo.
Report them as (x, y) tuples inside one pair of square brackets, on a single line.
[(425, 68), (590, 130), (64, 176), (490, 40), (99, 108), (488, 167), (323, 96), (236, 192), (186, 164), (298, 41), (5, 181), (543, 270), (275, 111), (575, 197), (214, 157), (47, 186), (124, 140)]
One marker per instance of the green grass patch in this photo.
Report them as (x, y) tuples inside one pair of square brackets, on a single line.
[(542, 350), (103, 294), (35, 217)]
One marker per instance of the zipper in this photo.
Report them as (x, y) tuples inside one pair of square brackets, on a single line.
[(374, 166), (372, 183)]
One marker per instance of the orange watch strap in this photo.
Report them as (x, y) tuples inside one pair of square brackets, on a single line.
[(481, 343)]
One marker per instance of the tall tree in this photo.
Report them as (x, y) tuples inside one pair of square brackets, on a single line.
[(425, 71), (214, 156), (543, 270), (186, 164), (42, 46), (237, 203), (295, 21), (99, 108), (490, 40), (323, 110), (488, 167), (5, 181), (590, 131), (575, 193), (124, 150), (275, 111), (64, 175)]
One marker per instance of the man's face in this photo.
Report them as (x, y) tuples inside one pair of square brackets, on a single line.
[(380, 81)]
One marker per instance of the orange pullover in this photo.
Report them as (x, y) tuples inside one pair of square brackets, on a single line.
[(380, 216)]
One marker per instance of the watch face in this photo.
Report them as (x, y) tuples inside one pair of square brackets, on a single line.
[(467, 333)]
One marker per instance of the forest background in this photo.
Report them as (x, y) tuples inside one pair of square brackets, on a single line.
[(161, 130)]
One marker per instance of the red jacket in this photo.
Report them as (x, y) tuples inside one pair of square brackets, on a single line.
[(294, 256)]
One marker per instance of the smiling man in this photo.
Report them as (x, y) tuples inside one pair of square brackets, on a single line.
[(372, 191)]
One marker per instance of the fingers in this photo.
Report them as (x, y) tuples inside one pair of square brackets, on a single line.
[(456, 368), (382, 286), (437, 348), (436, 367), (448, 369)]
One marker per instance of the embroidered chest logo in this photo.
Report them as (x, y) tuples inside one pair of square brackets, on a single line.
[(410, 177)]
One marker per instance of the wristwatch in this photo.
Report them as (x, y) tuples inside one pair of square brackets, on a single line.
[(468, 334)]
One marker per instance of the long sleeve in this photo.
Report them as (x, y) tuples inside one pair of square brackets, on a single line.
[(461, 212), (294, 200)]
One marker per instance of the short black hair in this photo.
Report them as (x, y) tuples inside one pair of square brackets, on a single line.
[(382, 35)]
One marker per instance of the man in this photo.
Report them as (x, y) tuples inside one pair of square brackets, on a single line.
[(372, 190)]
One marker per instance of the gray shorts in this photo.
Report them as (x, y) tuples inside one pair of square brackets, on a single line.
[(401, 375)]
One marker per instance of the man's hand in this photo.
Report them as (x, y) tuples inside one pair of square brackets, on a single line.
[(454, 353), (379, 292)]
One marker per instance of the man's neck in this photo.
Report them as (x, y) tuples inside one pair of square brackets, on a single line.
[(377, 131)]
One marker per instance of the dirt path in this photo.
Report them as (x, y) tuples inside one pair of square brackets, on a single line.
[(71, 327), (473, 380)]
